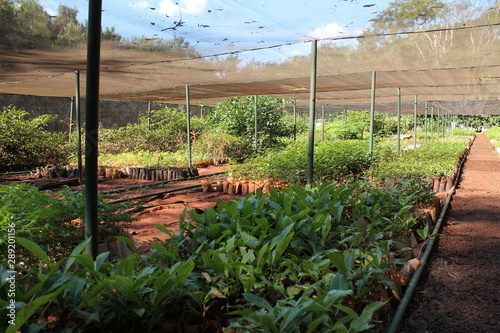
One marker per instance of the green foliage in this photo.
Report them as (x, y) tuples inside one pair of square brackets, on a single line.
[(130, 295), (493, 133), (25, 144), (462, 132), (65, 26), (408, 14), (236, 116), (432, 159), (177, 45), (145, 159), (298, 255), (295, 260), (333, 160), (218, 147), (162, 130), (478, 121), (25, 23), (356, 125), (53, 224)]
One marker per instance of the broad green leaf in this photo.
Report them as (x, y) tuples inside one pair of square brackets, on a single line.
[(363, 322), (336, 296), (293, 314), (85, 260), (75, 291), (129, 241), (214, 261), (337, 260), (35, 249), (26, 312), (162, 228), (100, 259), (258, 301), (126, 266), (262, 255), (76, 251)]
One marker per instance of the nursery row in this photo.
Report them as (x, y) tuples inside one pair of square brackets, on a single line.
[(311, 259), (349, 159)]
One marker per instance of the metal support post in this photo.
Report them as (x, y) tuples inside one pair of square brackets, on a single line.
[(432, 122), (294, 120), (92, 124), (188, 121), (425, 121), (415, 123), (398, 144), (312, 111), (72, 105), (322, 123), (256, 111), (78, 128), (372, 114)]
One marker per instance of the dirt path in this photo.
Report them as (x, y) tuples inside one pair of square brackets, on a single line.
[(459, 292)]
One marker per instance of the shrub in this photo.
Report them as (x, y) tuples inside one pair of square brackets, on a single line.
[(162, 130), (25, 144), (432, 159), (236, 116), (493, 133), (52, 223), (333, 160)]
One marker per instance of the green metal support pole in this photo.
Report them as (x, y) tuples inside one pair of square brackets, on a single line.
[(256, 111), (312, 111), (345, 119), (294, 120), (432, 122), (72, 106), (149, 116), (447, 123), (372, 114), (443, 123), (78, 128), (322, 123), (440, 122), (92, 124), (415, 123), (188, 120), (425, 120), (398, 144)]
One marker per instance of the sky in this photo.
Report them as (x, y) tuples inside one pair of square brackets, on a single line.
[(219, 26)]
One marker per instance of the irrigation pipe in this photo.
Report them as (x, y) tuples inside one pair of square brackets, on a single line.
[(156, 193), (160, 183), (400, 311)]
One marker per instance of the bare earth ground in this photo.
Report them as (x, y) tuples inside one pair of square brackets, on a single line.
[(459, 291), (166, 209)]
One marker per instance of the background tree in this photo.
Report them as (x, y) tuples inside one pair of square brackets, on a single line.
[(111, 35), (7, 20), (441, 47), (65, 26), (33, 23), (236, 116)]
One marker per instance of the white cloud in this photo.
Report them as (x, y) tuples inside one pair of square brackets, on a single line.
[(330, 30), (172, 7), (139, 4)]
